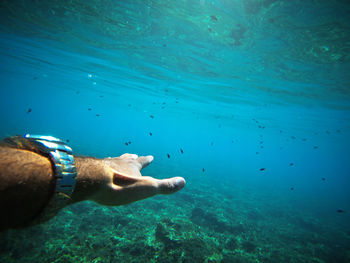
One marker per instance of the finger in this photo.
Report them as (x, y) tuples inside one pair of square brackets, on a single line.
[(129, 156), (145, 160), (127, 189), (171, 185)]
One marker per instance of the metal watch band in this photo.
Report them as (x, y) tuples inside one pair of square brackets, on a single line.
[(59, 153), (64, 170), (62, 159)]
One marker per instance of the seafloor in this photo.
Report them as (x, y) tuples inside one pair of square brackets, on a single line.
[(205, 222)]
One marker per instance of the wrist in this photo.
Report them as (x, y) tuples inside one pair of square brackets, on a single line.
[(89, 178)]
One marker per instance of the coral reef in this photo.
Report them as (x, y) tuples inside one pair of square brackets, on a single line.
[(186, 227)]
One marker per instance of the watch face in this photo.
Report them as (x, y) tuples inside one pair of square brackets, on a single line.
[(20, 142)]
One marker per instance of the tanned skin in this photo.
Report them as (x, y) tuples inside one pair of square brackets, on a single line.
[(27, 183)]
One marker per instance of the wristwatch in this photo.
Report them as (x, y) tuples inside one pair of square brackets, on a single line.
[(62, 160)]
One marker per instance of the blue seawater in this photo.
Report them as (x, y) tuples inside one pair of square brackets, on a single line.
[(247, 100)]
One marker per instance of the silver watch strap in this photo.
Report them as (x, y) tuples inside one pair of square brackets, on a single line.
[(64, 170), (62, 159)]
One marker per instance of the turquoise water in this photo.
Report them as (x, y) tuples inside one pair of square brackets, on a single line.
[(237, 85)]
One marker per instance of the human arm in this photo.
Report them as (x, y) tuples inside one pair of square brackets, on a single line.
[(27, 183)]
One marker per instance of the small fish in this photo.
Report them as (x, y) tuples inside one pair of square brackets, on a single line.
[(292, 188), (262, 169), (182, 151), (323, 179), (168, 155), (261, 142), (293, 137), (291, 164), (67, 140), (151, 116), (129, 142), (340, 211), (315, 147), (256, 152), (214, 18), (150, 134), (101, 96), (89, 109), (261, 147), (126, 144), (304, 139), (203, 170), (164, 45), (29, 110), (97, 115)]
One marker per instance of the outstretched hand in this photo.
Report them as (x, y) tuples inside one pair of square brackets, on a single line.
[(122, 183)]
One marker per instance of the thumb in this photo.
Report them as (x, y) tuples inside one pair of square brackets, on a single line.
[(171, 185)]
